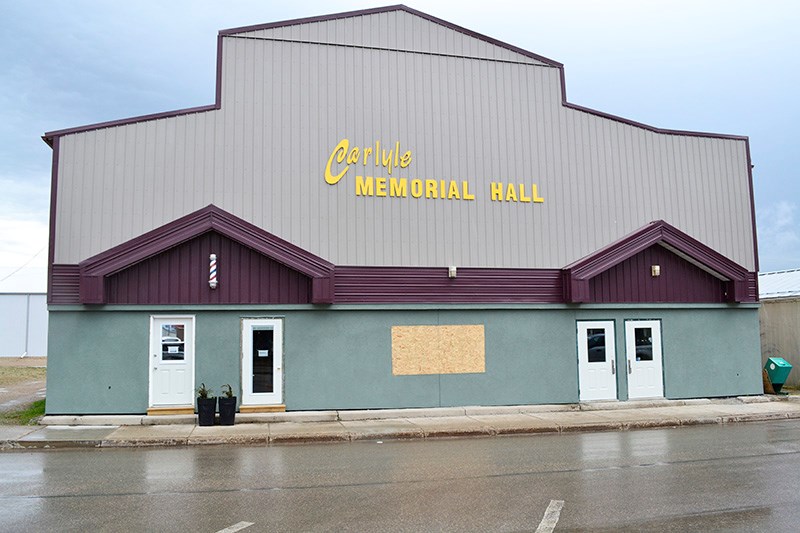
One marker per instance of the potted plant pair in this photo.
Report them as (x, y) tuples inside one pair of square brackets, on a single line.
[(206, 406)]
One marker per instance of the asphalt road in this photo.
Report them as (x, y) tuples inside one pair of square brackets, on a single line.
[(738, 477)]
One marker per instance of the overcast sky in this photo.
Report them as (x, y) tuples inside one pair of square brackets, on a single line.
[(723, 66)]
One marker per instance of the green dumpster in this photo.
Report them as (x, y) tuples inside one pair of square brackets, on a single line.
[(778, 370)]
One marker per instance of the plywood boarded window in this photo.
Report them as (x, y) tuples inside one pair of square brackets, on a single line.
[(438, 350)]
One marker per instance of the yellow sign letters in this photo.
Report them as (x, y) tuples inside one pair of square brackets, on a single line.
[(387, 159), (344, 156)]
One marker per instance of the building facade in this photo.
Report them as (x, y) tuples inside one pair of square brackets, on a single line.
[(382, 209)]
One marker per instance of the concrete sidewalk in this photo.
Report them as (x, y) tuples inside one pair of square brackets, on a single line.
[(338, 426)]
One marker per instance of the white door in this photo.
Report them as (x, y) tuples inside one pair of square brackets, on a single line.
[(171, 361), (262, 356), (596, 361), (643, 351)]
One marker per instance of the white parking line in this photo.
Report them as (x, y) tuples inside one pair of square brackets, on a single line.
[(550, 518), (237, 527)]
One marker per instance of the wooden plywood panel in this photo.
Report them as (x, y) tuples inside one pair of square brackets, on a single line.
[(448, 349)]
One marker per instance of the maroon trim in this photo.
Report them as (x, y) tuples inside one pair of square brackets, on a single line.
[(51, 245), (752, 286), (95, 270), (49, 136), (490, 40), (355, 284), (63, 286), (680, 281), (752, 207), (388, 9), (179, 275), (578, 274), (121, 122), (316, 18), (634, 123), (388, 285), (218, 91)]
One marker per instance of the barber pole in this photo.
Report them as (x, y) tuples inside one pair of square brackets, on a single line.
[(212, 271)]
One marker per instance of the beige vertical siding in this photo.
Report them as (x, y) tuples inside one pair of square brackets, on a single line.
[(286, 104), (397, 30)]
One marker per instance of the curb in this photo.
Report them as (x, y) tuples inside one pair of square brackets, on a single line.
[(386, 414), (345, 434), (139, 431)]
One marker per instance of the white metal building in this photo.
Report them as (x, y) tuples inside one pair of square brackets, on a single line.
[(23, 313)]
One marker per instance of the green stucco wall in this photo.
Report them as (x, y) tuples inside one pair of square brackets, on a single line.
[(97, 362), (340, 357)]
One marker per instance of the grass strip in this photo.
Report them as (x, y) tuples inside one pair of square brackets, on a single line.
[(24, 417)]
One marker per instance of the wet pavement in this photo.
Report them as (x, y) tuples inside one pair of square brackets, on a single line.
[(106, 431), (712, 477)]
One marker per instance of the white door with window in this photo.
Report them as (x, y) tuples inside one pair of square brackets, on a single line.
[(643, 353), (596, 361), (171, 361), (262, 361)]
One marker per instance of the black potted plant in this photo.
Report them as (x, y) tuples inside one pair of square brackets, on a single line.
[(206, 406), (227, 406)]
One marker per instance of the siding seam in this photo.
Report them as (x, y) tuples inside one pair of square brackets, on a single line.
[(389, 49)]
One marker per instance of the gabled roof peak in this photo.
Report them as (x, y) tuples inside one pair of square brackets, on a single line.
[(578, 274), (527, 56), (95, 270), (318, 18), (389, 9)]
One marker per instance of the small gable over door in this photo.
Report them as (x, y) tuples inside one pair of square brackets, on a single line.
[(657, 264), (171, 265), (632, 280), (180, 276)]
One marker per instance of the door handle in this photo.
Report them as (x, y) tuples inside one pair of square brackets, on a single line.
[(613, 367), (629, 367)]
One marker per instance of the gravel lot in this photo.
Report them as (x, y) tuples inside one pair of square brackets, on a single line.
[(22, 381)]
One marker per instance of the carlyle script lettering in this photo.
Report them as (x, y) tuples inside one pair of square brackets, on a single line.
[(388, 159)]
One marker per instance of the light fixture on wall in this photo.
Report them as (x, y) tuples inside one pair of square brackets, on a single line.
[(212, 271), (655, 270), (451, 272)]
